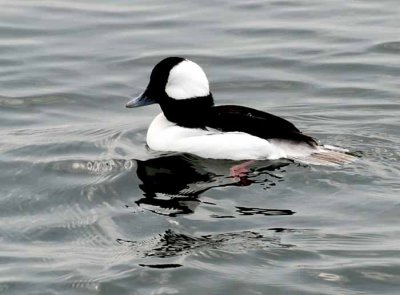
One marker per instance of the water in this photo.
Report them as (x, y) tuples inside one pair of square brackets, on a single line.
[(85, 208)]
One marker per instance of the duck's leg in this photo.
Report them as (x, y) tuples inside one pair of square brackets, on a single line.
[(239, 171)]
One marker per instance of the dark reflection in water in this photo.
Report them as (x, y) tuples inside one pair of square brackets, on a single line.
[(161, 266), (172, 185), (171, 244), (266, 212)]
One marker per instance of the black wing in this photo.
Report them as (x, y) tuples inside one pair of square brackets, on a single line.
[(238, 118)]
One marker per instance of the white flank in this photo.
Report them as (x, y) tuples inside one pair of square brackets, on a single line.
[(187, 80), (164, 135)]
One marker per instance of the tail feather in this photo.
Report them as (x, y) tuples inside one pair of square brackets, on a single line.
[(328, 156)]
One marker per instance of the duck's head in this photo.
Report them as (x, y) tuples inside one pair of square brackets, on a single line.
[(179, 86)]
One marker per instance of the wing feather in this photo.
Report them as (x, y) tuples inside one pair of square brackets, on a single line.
[(229, 118)]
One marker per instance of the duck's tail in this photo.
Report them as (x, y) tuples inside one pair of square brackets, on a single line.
[(329, 156)]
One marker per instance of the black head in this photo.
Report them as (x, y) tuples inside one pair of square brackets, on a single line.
[(181, 88)]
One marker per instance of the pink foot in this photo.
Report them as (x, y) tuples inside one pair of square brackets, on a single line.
[(238, 172)]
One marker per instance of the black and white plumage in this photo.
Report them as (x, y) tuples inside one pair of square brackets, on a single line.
[(191, 123)]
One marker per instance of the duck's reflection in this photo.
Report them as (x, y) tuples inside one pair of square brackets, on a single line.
[(173, 184), (172, 244)]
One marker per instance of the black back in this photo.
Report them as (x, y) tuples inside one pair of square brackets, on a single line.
[(238, 118)]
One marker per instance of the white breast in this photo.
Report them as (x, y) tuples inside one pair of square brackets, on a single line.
[(164, 135)]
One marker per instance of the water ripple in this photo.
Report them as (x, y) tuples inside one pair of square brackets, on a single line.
[(87, 208)]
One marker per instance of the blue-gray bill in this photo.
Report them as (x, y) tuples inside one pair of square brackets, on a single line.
[(139, 101)]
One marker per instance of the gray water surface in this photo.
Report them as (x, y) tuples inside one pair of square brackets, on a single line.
[(86, 208)]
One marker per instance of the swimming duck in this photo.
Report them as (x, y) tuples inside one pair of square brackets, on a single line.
[(191, 123)]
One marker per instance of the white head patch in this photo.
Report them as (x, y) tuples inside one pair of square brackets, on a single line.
[(186, 80)]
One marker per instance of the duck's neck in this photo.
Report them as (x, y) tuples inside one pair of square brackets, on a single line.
[(188, 112)]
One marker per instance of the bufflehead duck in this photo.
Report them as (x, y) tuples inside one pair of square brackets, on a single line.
[(191, 123)]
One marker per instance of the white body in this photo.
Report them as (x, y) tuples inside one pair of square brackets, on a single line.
[(164, 135)]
